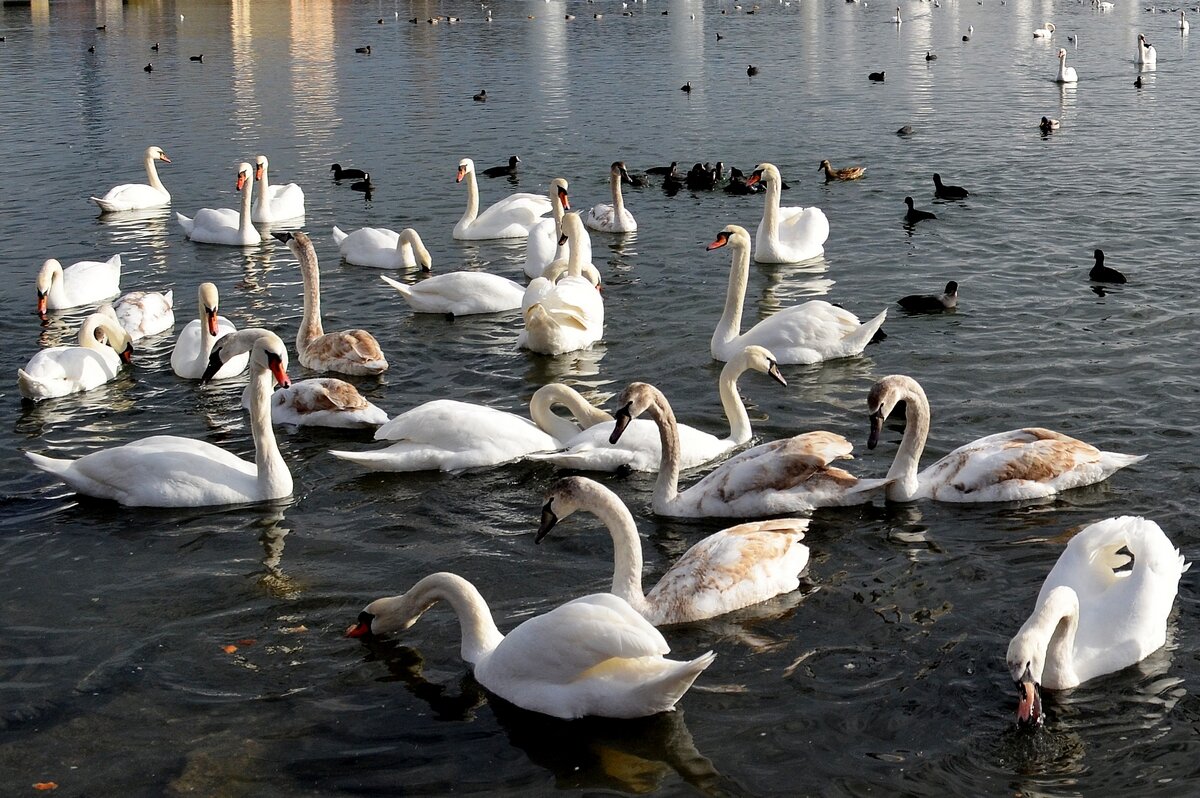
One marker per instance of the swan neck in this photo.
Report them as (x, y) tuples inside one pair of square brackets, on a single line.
[(585, 414), (771, 210), (244, 223), (618, 201), (666, 488), (472, 200), (479, 633), (575, 256), (908, 456), (310, 324), (627, 545), (730, 324), (1053, 625), (152, 174), (274, 478), (731, 401)]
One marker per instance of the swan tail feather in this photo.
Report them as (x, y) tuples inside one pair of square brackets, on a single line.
[(31, 387), (338, 235), (868, 486), (405, 291), (184, 222), (51, 465), (857, 341)]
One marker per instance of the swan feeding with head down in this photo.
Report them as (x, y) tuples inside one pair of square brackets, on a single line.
[(62, 370), (726, 571), (786, 235), (640, 448), (171, 471), (381, 248), (511, 217), (592, 656), (807, 333), (80, 283), (138, 196), (1029, 463), (1093, 615)]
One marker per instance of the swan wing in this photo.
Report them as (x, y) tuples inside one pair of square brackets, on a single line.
[(322, 402), (464, 293), (132, 197), (513, 215), (462, 426), (145, 313)]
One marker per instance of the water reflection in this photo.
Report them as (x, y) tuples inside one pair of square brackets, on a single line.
[(787, 283), (274, 580), (545, 369)]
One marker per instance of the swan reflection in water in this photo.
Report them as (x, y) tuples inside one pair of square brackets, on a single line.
[(791, 283), (273, 579), (633, 756)]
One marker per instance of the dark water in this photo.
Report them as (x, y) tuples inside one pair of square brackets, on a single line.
[(885, 675)]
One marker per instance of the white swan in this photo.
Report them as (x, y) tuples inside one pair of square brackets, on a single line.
[(381, 248), (542, 247), (807, 333), (63, 370), (460, 293), (1044, 32), (449, 435), (591, 656), (138, 196), (1184, 25), (145, 313), (274, 203), (896, 19), (189, 358), (776, 478), (786, 235), (1029, 463), (320, 402), (640, 448), (224, 225), (511, 217), (1093, 617), (566, 315), (726, 571), (1147, 56), (346, 351), (170, 471), (613, 218), (80, 283), (1066, 74)]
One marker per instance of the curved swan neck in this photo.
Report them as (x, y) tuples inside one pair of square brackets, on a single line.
[(87, 333), (542, 413), (56, 293), (1053, 626), (472, 200), (274, 478), (908, 456), (479, 633), (152, 173), (731, 400), (310, 324), (730, 325), (627, 546), (666, 487)]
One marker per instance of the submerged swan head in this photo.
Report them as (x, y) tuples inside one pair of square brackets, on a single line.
[(765, 172), (209, 301), (733, 234), (465, 167), (267, 353), (886, 394), (51, 270), (424, 260)]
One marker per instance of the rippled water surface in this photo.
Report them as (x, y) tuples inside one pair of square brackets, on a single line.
[(883, 675)]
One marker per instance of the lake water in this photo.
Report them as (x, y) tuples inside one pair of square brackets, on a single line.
[(884, 675)]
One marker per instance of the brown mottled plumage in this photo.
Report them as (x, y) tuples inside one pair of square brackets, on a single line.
[(845, 173)]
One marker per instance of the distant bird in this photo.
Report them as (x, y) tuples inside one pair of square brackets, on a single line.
[(597, 16), (1137, 82), (930, 303), (568, 17), (943, 191), (101, 27), (363, 185), (92, 49), (1184, 25), (364, 50), (379, 21), (930, 56), (845, 173), (914, 215), (876, 76), (148, 68), (720, 37), (481, 97), (155, 47), (905, 131), (1047, 124), (752, 70), (665, 13), (501, 171), (966, 38), (414, 21), (662, 170), (896, 19), (199, 58), (1104, 274), (1044, 32), (686, 88), (346, 174)]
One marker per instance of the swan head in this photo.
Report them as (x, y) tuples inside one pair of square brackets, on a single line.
[(465, 167), (765, 172), (572, 228), (1050, 26), (761, 360), (299, 243), (632, 402), (558, 190), (209, 301), (157, 154), (424, 260), (564, 498), (260, 166), (732, 234), (391, 614), (1026, 661), (103, 326), (51, 270), (885, 395), (244, 174), (267, 353), (1061, 53), (619, 172)]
